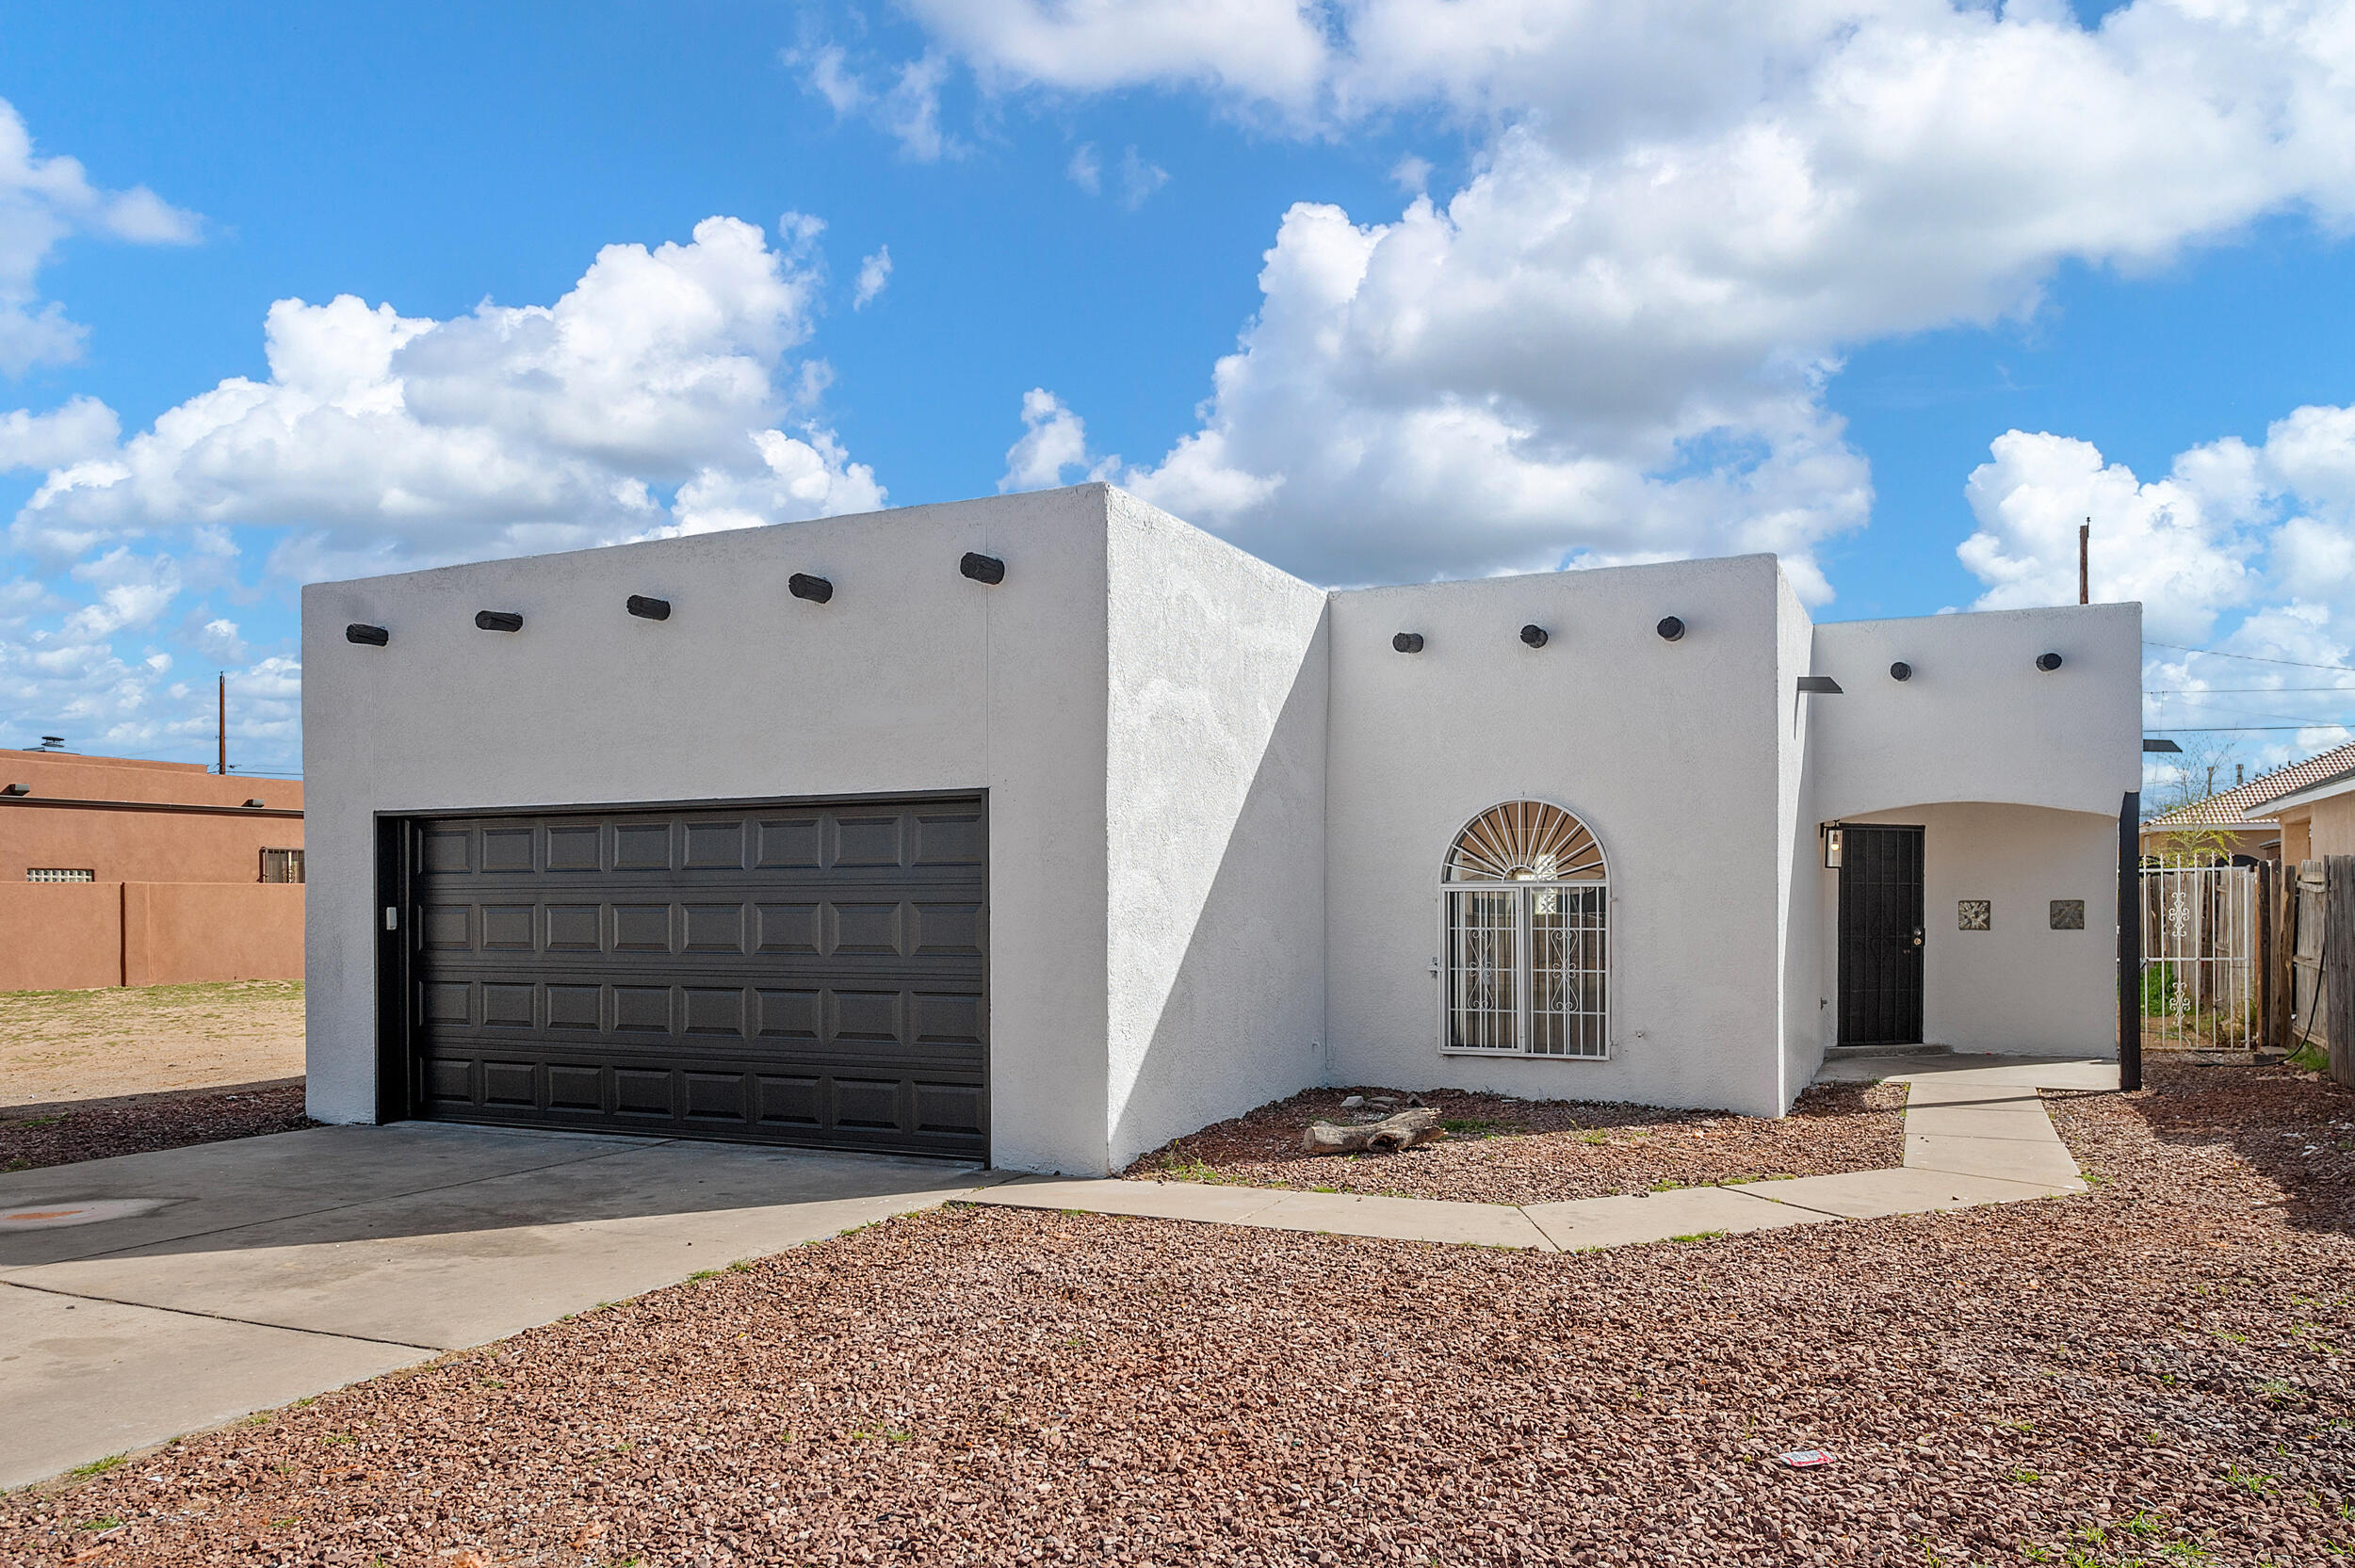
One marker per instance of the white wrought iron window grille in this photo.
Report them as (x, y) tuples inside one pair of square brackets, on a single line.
[(58, 874), (1525, 905)]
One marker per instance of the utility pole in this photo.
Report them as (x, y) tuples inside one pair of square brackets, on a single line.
[(2085, 546), (225, 723)]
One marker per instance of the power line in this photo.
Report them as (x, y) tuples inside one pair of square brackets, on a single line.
[(2234, 729), (2253, 659), (2202, 690)]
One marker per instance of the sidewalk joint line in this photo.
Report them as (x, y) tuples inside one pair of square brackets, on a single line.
[(225, 1318)]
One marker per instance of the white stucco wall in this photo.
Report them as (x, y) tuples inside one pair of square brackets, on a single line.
[(1215, 827), (1978, 720), (1668, 751), (1799, 931), (2020, 987), (912, 678)]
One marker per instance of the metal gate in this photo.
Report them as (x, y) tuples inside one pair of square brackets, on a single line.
[(2202, 974)]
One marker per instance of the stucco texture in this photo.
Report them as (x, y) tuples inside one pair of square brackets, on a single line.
[(1219, 799), (1666, 751), (73, 936), (912, 678)]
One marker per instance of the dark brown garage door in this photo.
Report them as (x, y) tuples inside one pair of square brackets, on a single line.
[(788, 974)]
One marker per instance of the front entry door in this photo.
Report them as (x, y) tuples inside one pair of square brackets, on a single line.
[(1881, 936)]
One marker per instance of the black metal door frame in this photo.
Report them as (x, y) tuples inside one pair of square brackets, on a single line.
[(1881, 933), (397, 1062)]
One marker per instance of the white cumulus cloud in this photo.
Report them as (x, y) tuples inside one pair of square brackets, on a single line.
[(1053, 446), (1612, 341), (875, 273), (379, 440), (2244, 548), (43, 200)]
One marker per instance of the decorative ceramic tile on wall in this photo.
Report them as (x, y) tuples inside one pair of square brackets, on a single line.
[(2069, 915), (1974, 914)]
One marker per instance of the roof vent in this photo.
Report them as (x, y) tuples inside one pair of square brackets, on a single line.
[(1533, 636), (983, 569), (802, 586), (1408, 642), (498, 621), (647, 609), (1901, 671), (2048, 662), (373, 636), (1671, 629)]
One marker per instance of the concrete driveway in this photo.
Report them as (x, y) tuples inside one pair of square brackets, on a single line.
[(154, 1295)]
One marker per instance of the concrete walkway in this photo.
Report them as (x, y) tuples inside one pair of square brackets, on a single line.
[(1976, 1133), (153, 1295)]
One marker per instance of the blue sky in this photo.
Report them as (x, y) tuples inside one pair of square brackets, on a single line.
[(1898, 290)]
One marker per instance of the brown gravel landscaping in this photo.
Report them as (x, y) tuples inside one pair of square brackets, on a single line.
[(96, 1129), (1499, 1150), (2155, 1372)]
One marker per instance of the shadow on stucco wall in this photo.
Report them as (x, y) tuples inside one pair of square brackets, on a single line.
[(1242, 1019)]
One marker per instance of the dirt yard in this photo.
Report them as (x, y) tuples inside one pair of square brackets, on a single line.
[(2159, 1371), (60, 1046), (1500, 1150)]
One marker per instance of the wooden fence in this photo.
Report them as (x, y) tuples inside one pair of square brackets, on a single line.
[(2319, 916)]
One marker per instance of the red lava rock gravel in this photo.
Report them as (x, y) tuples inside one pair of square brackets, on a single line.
[(2155, 1368), (95, 1129), (1502, 1149)]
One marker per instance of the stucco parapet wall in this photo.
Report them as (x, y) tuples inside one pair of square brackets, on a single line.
[(1976, 719), (65, 775)]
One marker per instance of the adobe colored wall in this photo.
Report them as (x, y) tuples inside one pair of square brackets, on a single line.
[(140, 845), (78, 936), (175, 933), (61, 936)]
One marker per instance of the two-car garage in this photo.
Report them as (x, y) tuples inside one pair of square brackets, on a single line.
[(788, 972)]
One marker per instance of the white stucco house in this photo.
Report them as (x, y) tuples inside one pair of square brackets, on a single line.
[(1042, 829)]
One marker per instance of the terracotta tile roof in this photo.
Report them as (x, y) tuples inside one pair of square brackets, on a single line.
[(2241, 806)]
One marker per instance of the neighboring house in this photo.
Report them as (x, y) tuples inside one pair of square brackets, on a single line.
[(2318, 818), (2267, 818), (121, 871), (1045, 828)]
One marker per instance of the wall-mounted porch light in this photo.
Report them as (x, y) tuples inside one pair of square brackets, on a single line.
[(647, 609), (374, 637), (1533, 636), (1408, 642), (802, 586), (1901, 671), (2048, 662), (498, 621), (1818, 686), (981, 568), (1671, 629), (1834, 843)]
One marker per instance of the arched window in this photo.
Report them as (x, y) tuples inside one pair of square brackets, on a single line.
[(1526, 902)]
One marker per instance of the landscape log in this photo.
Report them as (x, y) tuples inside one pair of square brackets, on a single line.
[(1402, 1131)]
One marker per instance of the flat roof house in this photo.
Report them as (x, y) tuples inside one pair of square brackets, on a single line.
[(123, 871), (1045, 828)]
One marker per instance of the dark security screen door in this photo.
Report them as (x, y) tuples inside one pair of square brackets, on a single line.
[(1881, 936), (790, 974)]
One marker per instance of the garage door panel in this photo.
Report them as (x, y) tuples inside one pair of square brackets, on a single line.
[(807, 974)]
